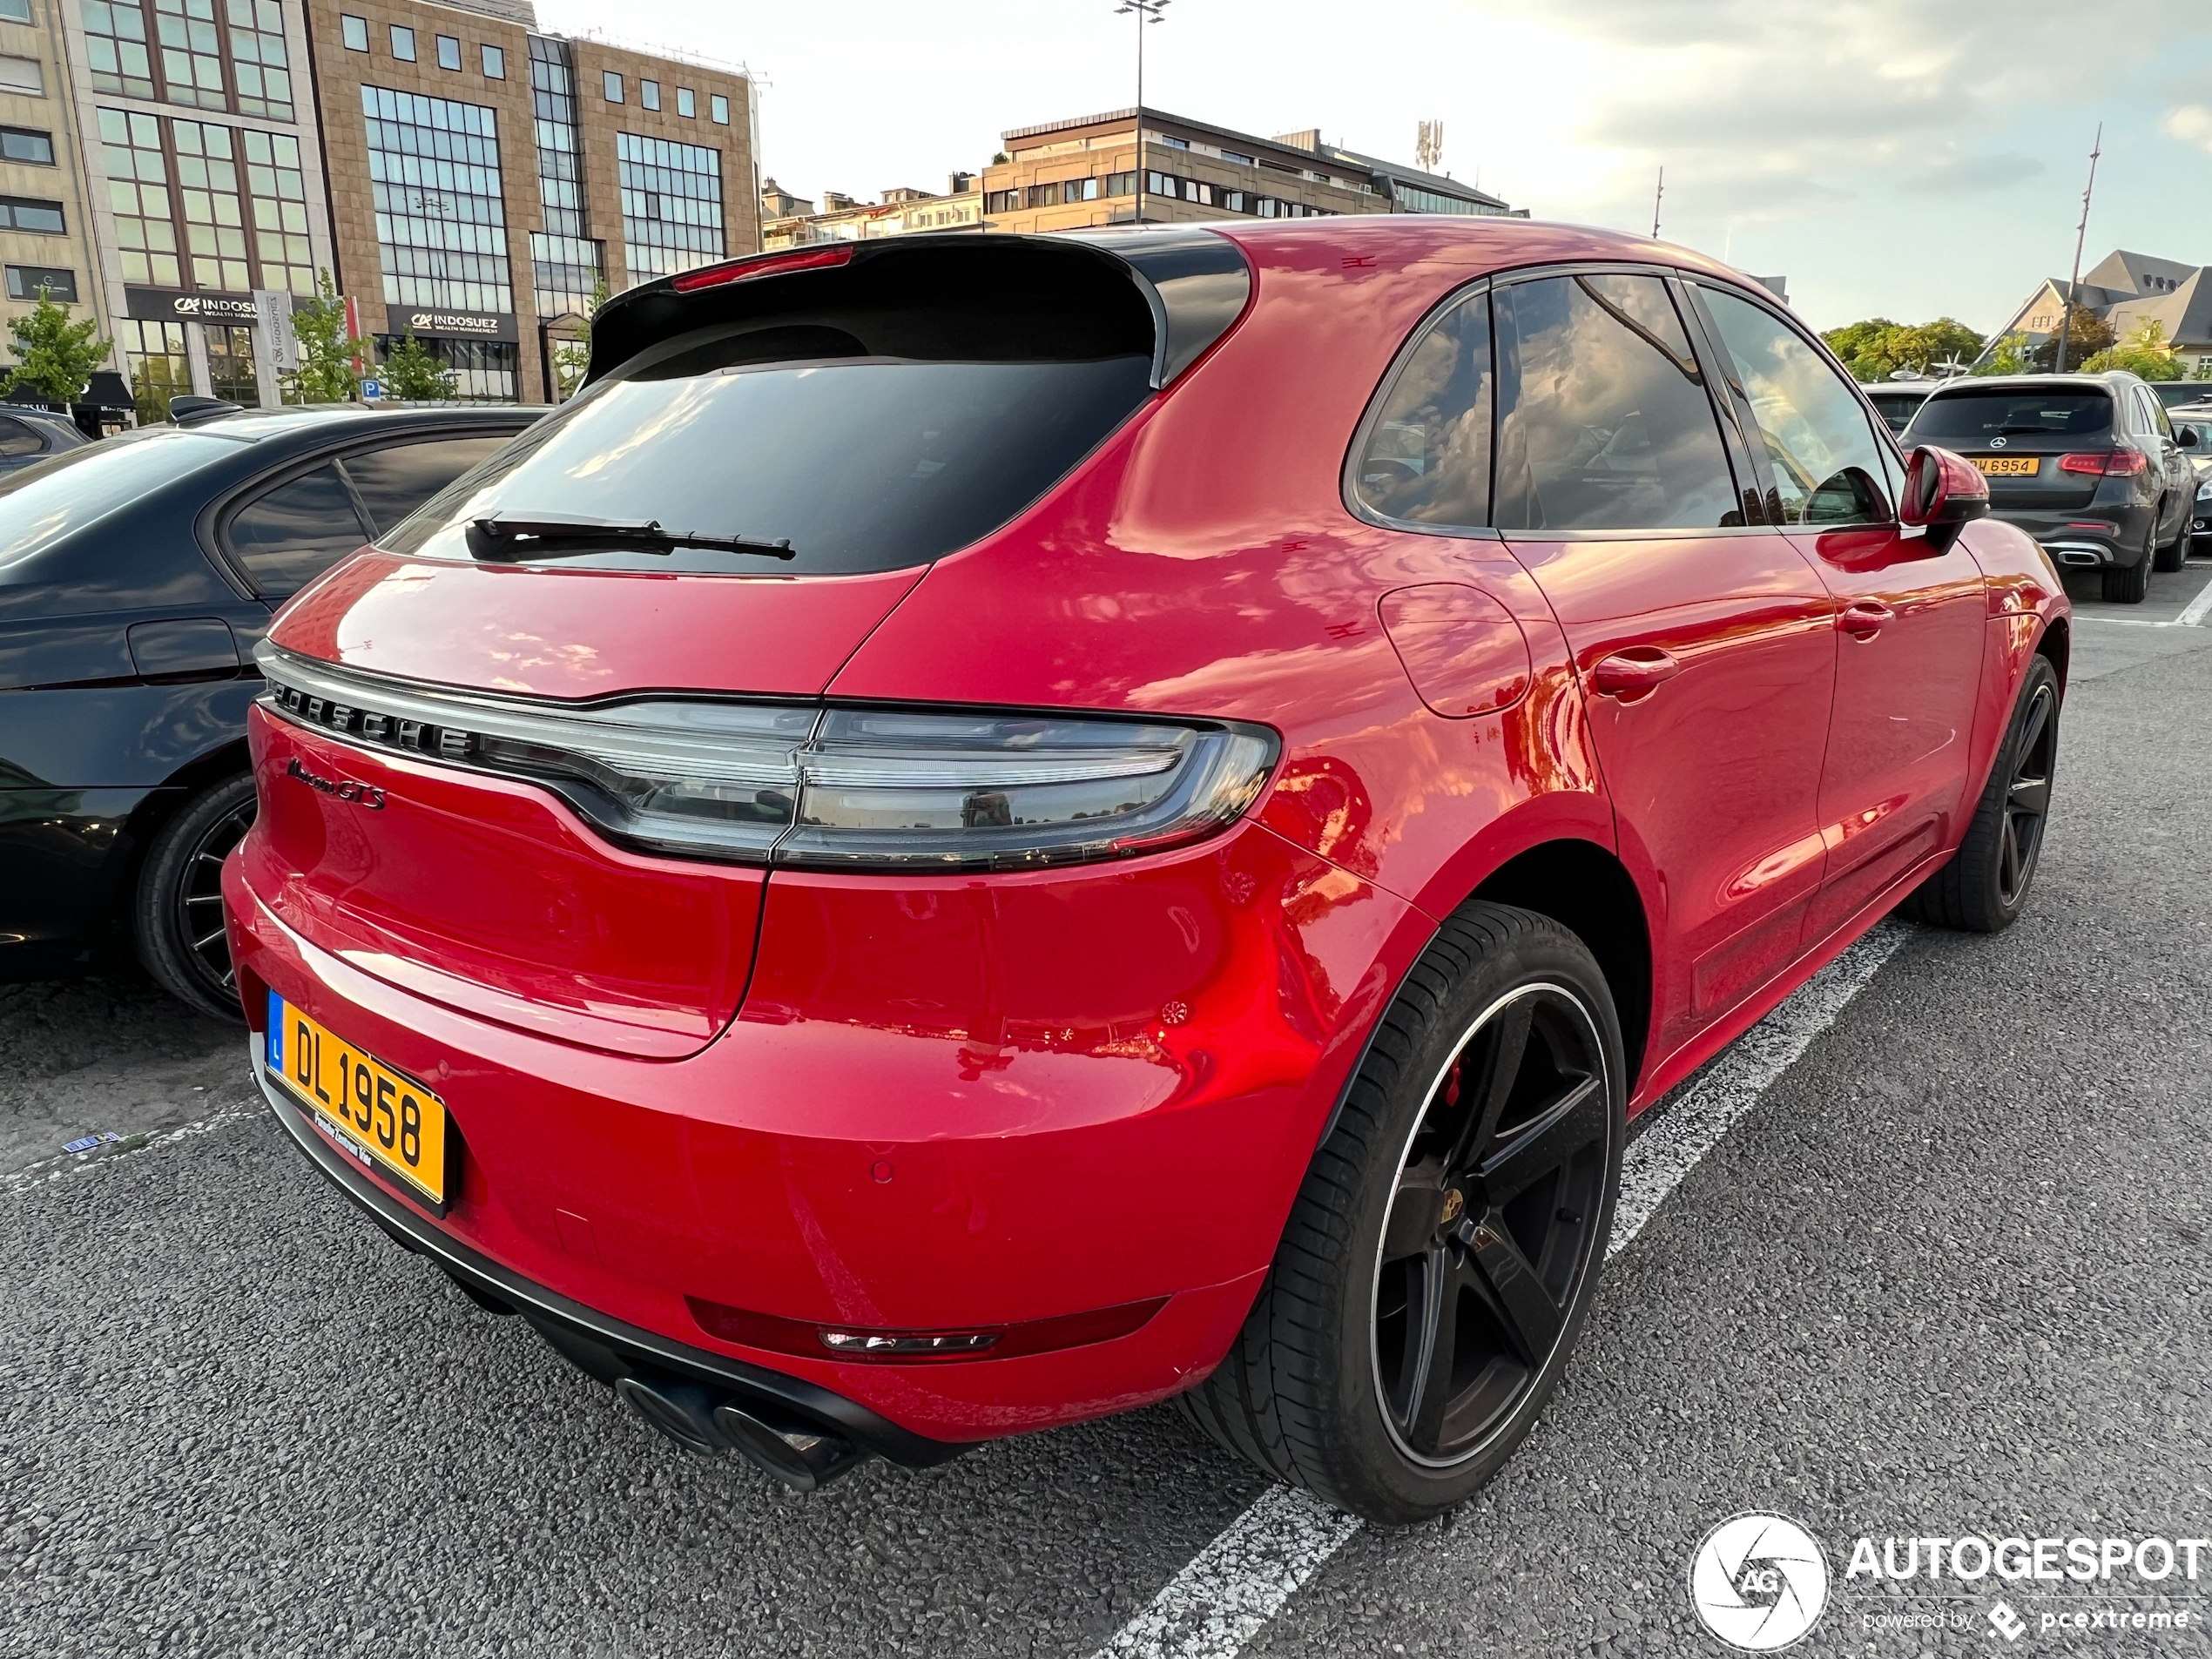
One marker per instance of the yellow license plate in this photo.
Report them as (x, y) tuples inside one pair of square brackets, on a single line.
[(2008, 466), (381, 1117)]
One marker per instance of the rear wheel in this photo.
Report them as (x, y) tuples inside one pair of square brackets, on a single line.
[(2176, 553), (1440, 1257), (2131, 585), (1984, 885), (179, 919)]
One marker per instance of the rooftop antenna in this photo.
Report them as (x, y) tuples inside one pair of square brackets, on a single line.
[(1657, 195), (2080, 234), (1428, 145), (1145, 11)]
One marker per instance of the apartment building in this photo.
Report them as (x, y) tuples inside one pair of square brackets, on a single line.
[(484, 177), (202, 181), (1114, 168), (791, 221), (45, 241)]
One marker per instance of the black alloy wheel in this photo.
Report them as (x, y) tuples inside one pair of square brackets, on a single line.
[(1492, 1224), (2027, 795), (2174, 554), (1445, 1247), (181, 936), (1986, 884)]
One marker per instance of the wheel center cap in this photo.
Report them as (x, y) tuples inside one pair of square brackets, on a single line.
[(1454, 1201)]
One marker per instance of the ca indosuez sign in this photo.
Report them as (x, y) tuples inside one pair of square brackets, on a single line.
[(469, 325)]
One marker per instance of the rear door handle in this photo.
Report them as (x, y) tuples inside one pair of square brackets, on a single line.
[(1631, 676), (1863, 618)]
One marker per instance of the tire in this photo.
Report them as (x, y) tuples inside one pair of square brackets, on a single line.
[(178, 917), (2130, 585), (1985, 887), (1433, 1177), (2176, 554)]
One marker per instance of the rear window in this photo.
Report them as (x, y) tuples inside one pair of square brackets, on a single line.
[(873, 429), (50, 499), (2008, 412)]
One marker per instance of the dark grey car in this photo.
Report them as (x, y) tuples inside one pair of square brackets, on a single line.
[(2089, 465), (29, 435)]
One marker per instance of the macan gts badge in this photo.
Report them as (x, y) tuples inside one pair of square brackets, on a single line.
[(987, 830)]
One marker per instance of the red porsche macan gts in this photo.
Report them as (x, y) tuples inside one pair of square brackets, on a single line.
[(987, 830)]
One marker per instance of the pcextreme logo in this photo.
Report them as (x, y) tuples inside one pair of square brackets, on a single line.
[(1759, 1582)]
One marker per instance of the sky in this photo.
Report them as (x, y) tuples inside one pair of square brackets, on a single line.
[(1906, 159)]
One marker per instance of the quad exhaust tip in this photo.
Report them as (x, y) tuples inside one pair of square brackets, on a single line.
[(802, 1457)]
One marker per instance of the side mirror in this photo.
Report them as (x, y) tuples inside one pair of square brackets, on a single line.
[(2188, 437), (1944, 493)]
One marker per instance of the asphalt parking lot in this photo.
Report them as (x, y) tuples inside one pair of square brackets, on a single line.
[(1947, 1273)]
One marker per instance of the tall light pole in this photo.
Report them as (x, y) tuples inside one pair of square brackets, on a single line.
[(2080, 234), (1145, 11)]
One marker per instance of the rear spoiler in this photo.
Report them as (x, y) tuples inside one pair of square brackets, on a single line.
[(1195, 281)]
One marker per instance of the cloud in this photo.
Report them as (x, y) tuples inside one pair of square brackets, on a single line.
[(2191, 123)]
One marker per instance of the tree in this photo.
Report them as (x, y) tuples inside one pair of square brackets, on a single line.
[(2087, 335), (411, 372), (1875, 349), (572, 356), (2144, 352), (56, 357), (325, 373), (2011, 357)]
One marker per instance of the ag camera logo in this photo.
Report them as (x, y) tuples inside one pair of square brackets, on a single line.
[(1759, 1582)]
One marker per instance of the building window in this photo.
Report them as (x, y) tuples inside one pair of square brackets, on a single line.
[(1242, 161), (22, 75), (29, 281), (261, 66), (671, 203), (230, 364), (566, 266), (718, 109), (686, 104), (648, 94), (21, 144), (153, 357), (115, 44), (1175, 144), (441, 216), (353, 31), (14, 10), (278, 186), (137, 190), (477, 371), (448, 52), (1002, 201), (192, 58), (1119, 183), (402, 43), (1044, 196), (207, 190), (495, 64), (611, 83), (42, 217)]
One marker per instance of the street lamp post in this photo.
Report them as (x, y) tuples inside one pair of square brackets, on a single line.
[(1145, 11)]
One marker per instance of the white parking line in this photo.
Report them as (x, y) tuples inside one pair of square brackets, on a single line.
[(1240, 1581), (2193, 613)]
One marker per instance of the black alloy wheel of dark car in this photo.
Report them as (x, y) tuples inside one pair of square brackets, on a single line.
[(1441, 1256), (1986, 884), (180, 912), (2130, 584)]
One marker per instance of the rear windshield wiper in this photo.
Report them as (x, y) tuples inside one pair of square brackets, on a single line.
[(509, 537)]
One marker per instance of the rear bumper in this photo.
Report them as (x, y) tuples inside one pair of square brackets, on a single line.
[(2088, 537), (882, 1141), (608, 1348)]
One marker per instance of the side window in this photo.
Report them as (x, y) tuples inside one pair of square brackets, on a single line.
[(289, 535), (2159, 422), (1426, 460), (396, 480), (18, 439), (1603, 422), (1819, 445)]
